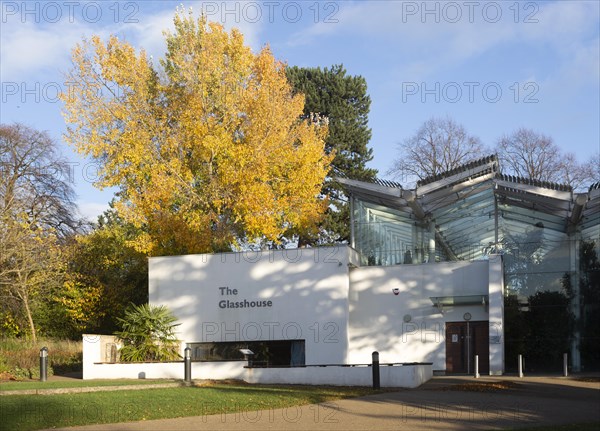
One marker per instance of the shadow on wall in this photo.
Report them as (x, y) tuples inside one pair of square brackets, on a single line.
[(271, 295), (406, 326)]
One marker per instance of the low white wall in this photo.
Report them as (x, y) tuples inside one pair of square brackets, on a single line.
[(407, 376), (165, 370), (96, 348)]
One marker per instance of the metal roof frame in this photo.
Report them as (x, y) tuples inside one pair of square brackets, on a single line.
[(471, 204)]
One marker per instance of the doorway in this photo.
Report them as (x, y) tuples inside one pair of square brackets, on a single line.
[(464, 340)]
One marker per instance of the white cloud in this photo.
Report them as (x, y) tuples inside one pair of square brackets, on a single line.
[(148, 33), (561, 22), (428, 42), (30, 50), (91, 210)]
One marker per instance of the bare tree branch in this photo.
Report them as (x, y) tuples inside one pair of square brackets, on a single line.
[(528, 154), (439, 145)]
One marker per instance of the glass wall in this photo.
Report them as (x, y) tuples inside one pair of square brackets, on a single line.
[(550, 242), (538, 318), (386, 236), (589, 287)]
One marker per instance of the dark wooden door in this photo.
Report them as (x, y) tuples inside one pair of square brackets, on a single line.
[(464, 340)]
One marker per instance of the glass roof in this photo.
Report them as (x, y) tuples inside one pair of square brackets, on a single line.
[(475, 210)]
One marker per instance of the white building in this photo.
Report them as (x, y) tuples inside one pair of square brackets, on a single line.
[(316, 306), (425, 278)]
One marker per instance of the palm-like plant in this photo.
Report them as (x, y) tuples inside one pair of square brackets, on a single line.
[(148, 334)]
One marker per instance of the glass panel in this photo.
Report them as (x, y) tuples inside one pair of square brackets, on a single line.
[(467, 224), (385, 236), (589, 282), (537, 267), (266, 353)]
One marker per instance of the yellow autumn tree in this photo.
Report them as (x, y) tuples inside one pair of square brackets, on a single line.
[(206, 149)]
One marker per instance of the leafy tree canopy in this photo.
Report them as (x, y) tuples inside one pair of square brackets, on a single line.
[(343, 99), (205, 150), (36, 218), (104, 275)]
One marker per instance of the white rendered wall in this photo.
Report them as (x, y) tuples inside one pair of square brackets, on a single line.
[(343, 315), (308, 290), (376, 314), (166, 370), (410, 376)]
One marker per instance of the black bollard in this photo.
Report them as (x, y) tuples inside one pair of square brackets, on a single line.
[(375, 367), (43, 364), (187, 364)]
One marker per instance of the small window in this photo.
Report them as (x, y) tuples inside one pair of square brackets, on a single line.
[(266, 353)]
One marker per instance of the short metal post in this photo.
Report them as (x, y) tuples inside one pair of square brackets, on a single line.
[(375, 367), (520, 366), (187, 362), (565, 364), (476, 366), (43, 364)]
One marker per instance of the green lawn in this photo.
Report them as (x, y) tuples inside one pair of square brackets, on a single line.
[(31, 412)]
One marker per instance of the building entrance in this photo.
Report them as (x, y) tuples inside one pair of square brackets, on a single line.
[(464, 340)]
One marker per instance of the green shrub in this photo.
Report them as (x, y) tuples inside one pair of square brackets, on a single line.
[(148, 334)]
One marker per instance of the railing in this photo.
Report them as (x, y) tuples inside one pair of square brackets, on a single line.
[(387, 364)]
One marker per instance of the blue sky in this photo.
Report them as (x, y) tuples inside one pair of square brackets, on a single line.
[(492, 66)]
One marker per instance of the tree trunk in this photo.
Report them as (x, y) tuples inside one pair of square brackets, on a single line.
[(30, 319)]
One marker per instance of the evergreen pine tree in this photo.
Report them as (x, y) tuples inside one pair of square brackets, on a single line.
[(344, 100)]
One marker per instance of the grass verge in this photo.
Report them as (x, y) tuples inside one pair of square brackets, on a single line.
[(15, 386), (20, 412)]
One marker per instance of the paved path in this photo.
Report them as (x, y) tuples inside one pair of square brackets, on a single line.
[(533, 401)]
